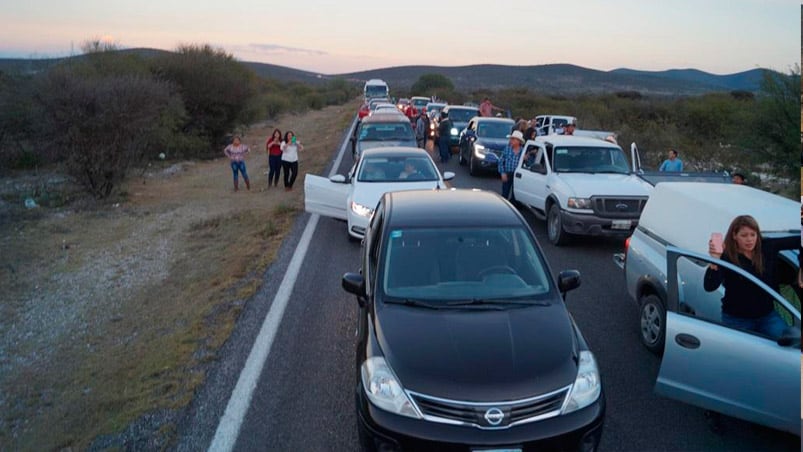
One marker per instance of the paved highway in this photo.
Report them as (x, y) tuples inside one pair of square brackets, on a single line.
[(303, 395)]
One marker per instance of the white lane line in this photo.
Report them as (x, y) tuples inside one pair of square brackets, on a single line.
[(229, 427)]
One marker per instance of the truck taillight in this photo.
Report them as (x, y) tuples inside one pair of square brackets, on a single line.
[(627, 246)]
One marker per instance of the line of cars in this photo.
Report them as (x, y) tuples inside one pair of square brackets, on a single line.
[(452, 282)]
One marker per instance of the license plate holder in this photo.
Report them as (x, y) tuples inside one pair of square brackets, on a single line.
[(621, 224)]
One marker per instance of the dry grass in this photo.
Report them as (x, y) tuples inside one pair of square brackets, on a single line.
[(138, 295)]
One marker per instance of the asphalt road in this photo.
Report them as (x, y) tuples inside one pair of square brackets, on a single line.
[(304, 395)]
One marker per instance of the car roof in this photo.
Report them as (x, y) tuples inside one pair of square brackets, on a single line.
[(493, 119), (437, 104), (712, 206), (394, 151), (460, 107), (389, 117), (449, 208), (571, 140)]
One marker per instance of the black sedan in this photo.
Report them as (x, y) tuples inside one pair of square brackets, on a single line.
[(464, 339), (482, 142)]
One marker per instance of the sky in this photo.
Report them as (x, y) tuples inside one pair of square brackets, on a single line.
[(342, 36)]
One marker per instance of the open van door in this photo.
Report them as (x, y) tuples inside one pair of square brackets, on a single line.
[(326, 197)]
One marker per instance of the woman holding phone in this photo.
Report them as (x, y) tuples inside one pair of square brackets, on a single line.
[(744, 305), (290, 148)]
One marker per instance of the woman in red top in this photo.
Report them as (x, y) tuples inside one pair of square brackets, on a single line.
[(273, 146)]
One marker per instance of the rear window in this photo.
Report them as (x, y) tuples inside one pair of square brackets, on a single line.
[(401, 131), (494, 129), (461, 115)]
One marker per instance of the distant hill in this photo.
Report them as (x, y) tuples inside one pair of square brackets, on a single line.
[(549, 79)]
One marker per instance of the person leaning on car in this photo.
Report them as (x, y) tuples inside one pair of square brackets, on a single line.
[(745, 305), (508, 161)]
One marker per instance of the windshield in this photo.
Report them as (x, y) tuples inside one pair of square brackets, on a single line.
[(494, 129), (462, 115), (590, 160), (443, 265), (397, 169), (401, 131), (376, 91), (420, 102)]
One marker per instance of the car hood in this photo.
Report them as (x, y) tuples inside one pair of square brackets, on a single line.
[(584, 185), (494, 144), (479, 355), (368, 193)]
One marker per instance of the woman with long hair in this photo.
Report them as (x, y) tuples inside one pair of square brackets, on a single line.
[(744, 305), (274, 148), (290, 149)]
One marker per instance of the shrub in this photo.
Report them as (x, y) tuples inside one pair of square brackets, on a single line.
[(104, 125)]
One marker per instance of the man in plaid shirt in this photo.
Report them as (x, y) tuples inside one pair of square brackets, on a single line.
[(508, 161)]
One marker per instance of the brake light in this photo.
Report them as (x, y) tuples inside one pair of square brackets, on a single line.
[(627, 246)]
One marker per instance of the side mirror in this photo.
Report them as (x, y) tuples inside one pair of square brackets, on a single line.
[(568, 280), (355, 283), (338, 179), (448, 175), (538, 168), (790, 337)]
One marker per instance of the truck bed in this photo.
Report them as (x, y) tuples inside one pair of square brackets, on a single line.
[(656, 177)]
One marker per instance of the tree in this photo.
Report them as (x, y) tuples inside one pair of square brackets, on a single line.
[(432, 84), (216, 90), (104, 125)]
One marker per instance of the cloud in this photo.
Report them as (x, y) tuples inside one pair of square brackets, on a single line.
[(274, 49)]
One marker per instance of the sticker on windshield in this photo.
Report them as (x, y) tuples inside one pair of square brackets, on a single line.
[(395, 234), (561, 151)]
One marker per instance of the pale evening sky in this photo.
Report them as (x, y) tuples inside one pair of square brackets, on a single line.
[(332, 37)]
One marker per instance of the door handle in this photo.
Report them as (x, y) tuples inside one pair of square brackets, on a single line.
[(687, 341), (518, 175)]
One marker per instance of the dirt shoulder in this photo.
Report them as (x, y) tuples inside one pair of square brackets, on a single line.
[(110, 311)]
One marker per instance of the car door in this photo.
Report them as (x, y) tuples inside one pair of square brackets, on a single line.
[(734, 372), (529, 185), (327, 197)]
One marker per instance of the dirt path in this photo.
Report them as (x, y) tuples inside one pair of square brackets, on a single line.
[(110, 312)]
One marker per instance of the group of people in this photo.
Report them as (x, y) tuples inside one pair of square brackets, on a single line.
[(282, 158)]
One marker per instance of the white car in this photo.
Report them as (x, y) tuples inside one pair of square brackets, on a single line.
[(353, 197)]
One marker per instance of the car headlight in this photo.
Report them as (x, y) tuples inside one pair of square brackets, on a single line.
[(383, 388), (587, 386), (579, 203), (454, 131), (361, 210), (480, 151)]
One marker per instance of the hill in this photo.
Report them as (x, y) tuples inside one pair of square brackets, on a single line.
[(564, 79)]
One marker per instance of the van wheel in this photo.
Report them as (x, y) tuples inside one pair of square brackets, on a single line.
[(652, 323), (554, 227), (472, 167)]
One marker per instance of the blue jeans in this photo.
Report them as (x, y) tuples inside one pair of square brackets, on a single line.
[(443, 148), (771, 325), (238, 166), (507, 187), (275, 164)]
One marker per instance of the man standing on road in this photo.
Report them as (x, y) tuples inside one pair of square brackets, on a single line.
[(444, 129), (487, 108), (422, 129), (673, 163), (508, 161)]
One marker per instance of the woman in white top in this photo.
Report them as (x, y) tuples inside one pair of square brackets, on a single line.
[(290, 148)]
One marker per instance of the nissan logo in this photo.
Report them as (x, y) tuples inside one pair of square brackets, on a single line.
[(622, 206), (494, 416)]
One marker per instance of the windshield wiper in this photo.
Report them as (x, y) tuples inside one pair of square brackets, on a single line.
[(520, 301), (413, 303)]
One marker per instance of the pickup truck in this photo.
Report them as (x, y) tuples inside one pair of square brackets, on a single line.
[(581, 186)]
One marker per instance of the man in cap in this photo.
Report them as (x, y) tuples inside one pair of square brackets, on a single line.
[(508, 162)]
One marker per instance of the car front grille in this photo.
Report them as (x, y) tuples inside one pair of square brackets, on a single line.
[(491, 415), (630, 207)]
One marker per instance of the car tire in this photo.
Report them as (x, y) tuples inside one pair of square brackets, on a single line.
[(366, 443), (652, 323), (554, 227), (460, 159)]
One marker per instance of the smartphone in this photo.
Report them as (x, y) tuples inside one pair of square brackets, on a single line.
[(716, 240), (293, 140)]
